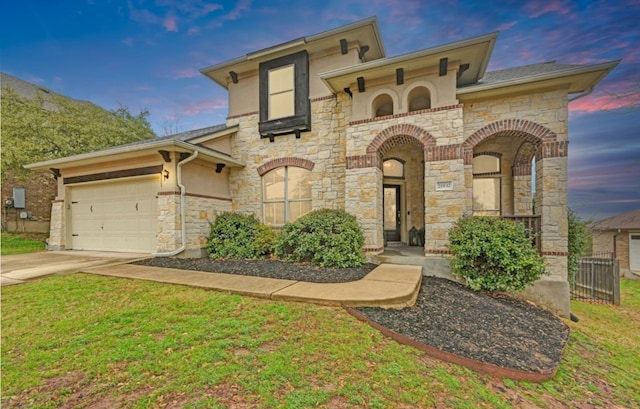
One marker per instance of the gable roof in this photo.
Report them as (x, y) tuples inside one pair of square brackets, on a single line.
[(573, 78), (364, 33), (624, 221), (181, 142)]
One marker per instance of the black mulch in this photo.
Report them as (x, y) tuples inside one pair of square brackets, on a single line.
[(491, 328)]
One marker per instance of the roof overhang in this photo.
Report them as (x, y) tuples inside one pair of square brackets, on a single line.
[(134, 151), (363, 32), (579, 79), (474, 51)]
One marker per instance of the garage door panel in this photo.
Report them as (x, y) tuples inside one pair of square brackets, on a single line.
[(115, 216)]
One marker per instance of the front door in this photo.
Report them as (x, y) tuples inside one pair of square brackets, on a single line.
[(391, 215)]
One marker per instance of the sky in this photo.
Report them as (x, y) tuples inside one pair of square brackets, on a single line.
[(146, 55)]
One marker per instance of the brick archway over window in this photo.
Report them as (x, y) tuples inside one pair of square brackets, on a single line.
[(389, 138), (545, 140), (397, 135), (280, 162)]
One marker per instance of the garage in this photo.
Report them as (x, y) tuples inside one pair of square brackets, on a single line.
[(634, 252), (114, 215)]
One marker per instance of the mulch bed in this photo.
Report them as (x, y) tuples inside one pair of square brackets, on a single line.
[(490, 328)]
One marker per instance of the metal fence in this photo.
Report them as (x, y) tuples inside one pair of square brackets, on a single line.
[(597, 280)]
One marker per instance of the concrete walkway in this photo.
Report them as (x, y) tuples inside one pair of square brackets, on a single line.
[(389, 286)]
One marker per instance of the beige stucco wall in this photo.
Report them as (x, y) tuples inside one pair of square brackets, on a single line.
[(441, 88)]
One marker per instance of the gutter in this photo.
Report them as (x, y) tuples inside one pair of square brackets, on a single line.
[(183, 211)]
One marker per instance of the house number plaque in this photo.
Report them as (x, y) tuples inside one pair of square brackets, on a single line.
[(444, 185)]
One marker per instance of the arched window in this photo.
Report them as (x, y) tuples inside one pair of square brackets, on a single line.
[(382, 105), (393, 168), (419, 98), (286, 195), (487, 183)]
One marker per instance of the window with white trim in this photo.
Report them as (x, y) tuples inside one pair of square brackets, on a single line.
[(487, 183), (286, 195)]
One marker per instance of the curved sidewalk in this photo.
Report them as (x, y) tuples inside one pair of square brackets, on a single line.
[(388, 285)]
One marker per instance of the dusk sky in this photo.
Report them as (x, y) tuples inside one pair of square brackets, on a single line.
[(145, 54)]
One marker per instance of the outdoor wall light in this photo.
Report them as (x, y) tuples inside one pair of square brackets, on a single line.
[(165, 173)]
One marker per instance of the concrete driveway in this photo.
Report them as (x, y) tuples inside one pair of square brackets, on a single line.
[(18, 269)]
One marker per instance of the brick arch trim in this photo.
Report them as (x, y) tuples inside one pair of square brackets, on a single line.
[(288, 161), (534, 133), (531, 132), (397, 135)]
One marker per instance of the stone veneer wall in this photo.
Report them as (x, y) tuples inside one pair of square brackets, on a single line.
[(200, 212), (57, 232), (323, 147)]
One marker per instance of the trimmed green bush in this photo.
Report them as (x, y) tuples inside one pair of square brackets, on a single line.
[(238, 236), (326, 238), (493, 254)]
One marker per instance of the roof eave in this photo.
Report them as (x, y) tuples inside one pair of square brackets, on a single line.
[(132, 151), (332, 78), (601, 70)]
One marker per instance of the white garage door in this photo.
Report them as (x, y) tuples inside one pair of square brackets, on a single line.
[(634, 252), (115, 216)]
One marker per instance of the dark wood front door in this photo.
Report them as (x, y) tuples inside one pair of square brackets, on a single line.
[(392, 220)]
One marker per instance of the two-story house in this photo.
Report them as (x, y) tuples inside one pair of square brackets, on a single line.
[(329, 121)]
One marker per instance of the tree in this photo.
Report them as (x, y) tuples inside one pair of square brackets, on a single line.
[(50, 126)]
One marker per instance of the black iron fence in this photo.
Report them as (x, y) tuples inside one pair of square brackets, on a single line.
[(597, 280)]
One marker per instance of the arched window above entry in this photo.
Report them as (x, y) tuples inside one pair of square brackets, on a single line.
[(419, 98), (393, 168), (382, 105)]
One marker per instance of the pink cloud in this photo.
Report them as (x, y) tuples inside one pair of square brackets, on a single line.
[(170, 24), (538, 8), (207, 105), (507, 26)]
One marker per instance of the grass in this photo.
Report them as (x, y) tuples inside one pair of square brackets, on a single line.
[(88, 341), (21, 243)]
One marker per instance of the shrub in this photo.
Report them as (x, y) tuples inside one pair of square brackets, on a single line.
[(493, 254), (239, 236), (327, 238)]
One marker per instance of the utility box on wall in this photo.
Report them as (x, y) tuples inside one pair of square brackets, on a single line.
[(19, 199)]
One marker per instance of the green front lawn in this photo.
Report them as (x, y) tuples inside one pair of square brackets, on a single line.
[(89, 341), (21, 243)]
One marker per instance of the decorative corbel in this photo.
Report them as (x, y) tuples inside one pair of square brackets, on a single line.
[(219, 167), (165, 155)]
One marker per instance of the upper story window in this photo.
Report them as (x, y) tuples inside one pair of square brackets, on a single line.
[(284, 95)]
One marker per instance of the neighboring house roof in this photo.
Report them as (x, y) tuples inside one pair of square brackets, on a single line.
[(181, 142), (624, 221), (28, 90)]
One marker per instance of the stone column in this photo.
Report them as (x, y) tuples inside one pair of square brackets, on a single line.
[(363, 199), (57, 231), (551, 204), (169, 222)]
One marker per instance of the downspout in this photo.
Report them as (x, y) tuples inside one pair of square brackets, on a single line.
[(183, 211)]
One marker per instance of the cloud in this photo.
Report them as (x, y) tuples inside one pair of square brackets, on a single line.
[(170, 23), (207, 105), (128, 41), (181, 73), (538, 8)]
